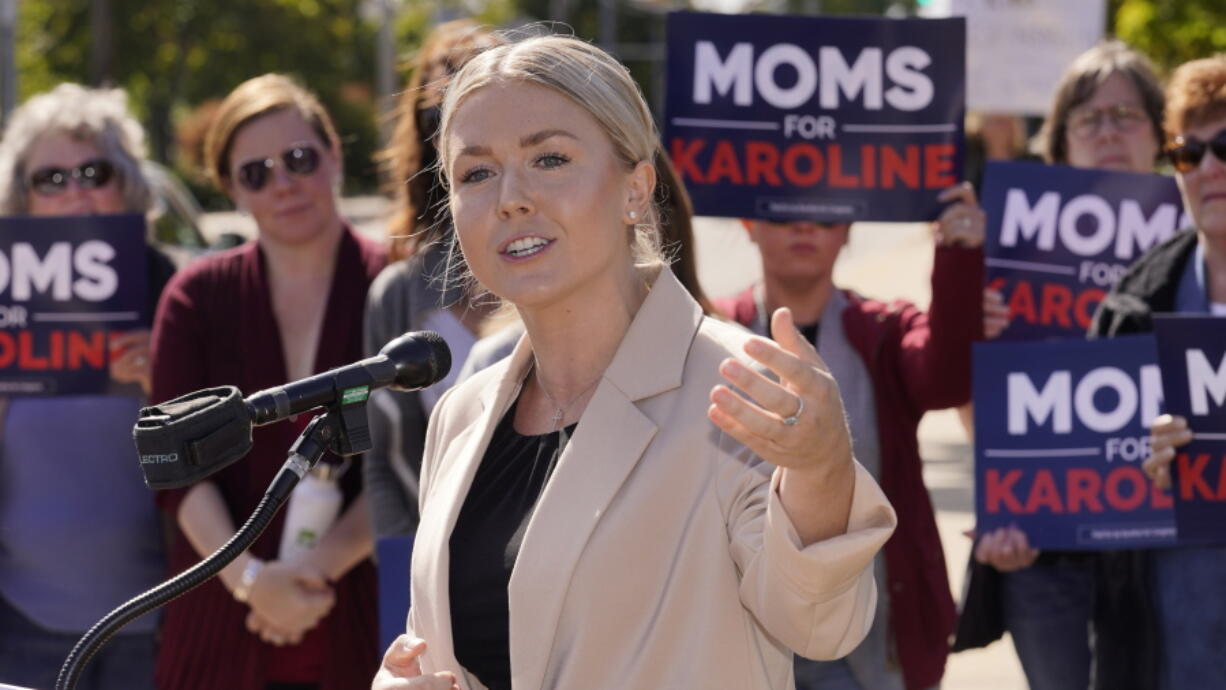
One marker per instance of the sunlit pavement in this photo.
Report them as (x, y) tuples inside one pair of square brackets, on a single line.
[(890, 261)]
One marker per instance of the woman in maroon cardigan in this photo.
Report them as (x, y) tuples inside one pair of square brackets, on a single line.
[(262, 314)]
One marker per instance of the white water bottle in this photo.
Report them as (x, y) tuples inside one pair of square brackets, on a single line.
[(313, 507)]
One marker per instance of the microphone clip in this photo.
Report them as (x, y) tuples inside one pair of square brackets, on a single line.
[(350, 421)]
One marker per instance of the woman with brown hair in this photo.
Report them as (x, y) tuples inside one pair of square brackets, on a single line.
[(277, 309)]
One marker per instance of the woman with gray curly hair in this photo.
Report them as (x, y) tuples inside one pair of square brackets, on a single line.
[(73, 121), (78, 531)]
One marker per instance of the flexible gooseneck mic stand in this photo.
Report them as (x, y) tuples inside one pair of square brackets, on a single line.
[(182, 441), (303, 455)]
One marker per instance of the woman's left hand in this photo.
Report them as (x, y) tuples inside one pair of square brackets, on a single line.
[(797, 423), (131, 358)]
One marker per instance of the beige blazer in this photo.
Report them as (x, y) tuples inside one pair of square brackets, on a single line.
[(659, 554)]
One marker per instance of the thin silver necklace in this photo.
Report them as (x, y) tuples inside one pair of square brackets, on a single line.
[(559, 411)]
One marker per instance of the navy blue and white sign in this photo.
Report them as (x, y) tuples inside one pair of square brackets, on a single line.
[(394, 557), (65, 285), (815, 118), (1061, 430), (1059, 237), (1192, 352)]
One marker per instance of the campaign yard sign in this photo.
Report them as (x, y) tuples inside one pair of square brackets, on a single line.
[(1061, 430), (1192, 353), (815, 118), (65, 285), (1017, 50), (1059, 237)]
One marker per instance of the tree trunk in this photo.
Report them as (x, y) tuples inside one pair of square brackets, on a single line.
[(102, 44)]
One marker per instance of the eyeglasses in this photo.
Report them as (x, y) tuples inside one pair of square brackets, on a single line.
[(1086, 122), (1186, 153), (299, 160), (92, 174)]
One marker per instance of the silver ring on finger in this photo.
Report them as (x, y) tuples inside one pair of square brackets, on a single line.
[(791, 421)]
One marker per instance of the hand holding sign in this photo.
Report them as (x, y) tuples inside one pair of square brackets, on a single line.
[(1168, 433), (131, 357), (1006, 549), (962, 223), (995, 314), (1190, 449)]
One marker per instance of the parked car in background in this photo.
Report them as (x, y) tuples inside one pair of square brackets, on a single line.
[(178, 223)]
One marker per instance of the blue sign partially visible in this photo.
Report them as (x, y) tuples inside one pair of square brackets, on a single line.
[(394, 556), (1059, 237), (66, 284), (1192, 352), (1061, 430), (815, 118)]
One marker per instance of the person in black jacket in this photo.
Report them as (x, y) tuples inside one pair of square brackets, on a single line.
[(1184, 631)]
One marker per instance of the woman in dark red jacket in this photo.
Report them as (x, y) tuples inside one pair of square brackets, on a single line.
[(893, 363), (270, 311)]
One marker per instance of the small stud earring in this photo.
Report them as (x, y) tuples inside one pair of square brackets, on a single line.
[(633, 215)]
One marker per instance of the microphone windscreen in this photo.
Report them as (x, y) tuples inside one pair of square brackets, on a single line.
[(184, 440)]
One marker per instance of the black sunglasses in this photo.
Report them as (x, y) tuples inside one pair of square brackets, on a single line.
[(299, 160), (1186, 153), (91, 174)]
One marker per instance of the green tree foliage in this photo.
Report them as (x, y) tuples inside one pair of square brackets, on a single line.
[(173, 55), (1171, 32), (176, 56)]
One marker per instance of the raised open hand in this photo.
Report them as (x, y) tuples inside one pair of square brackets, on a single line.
[(796, 422)]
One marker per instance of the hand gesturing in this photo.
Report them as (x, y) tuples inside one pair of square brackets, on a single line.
[(797, 422)]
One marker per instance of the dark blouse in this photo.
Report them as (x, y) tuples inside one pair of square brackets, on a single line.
[(215, 326), (486, 541)]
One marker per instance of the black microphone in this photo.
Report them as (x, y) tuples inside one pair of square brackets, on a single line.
[(411, 362), (184, 440)]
